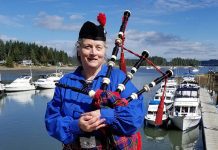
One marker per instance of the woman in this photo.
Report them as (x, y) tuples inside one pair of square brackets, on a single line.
[(70, 116)]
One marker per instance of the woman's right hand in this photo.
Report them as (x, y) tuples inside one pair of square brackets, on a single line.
[(89, 122)]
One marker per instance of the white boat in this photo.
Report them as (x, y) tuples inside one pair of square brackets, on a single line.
[(49, 81), (23, 83), (152, 111), (171, 86), (188, 77), (189, 83), (168, 98), (186, 108), (149, 67), (2, 88), (194, 70)]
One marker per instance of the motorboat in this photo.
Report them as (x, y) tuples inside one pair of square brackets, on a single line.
[(49, 81), (195, 70), (149, 67), (152, 111), (2, 88), (186, 108), (23, 83), (189, 83), (188, 77), (171, 86), (168, 98)]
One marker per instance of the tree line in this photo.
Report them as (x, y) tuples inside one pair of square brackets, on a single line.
[(14, 52), (163, 62)]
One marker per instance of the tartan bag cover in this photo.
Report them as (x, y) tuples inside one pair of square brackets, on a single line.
[(112, 99)]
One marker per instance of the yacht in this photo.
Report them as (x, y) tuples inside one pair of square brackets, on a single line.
[(189, 83), (186, 108), (49, 81), (195, 70), (152, 111), (23, 83), (171, 86), (2, 88), (168, 98)]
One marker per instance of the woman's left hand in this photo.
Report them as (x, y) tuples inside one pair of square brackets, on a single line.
[(92, 121)]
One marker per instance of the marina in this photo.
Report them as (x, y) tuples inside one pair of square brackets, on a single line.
[(22, 115)]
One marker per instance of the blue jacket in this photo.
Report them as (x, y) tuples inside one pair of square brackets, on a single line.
[(63, 111)]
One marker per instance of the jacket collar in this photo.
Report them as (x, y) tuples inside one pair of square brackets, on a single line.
[(77, 74)]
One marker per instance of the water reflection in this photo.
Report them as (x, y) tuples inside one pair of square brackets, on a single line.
[(156, 134), (24, 97), (2, 103), (46, 94), (184, 139)]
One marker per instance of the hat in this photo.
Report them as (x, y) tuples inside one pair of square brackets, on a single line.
[(89, 30)]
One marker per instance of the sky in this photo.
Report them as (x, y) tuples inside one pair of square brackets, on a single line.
[(165, 28)]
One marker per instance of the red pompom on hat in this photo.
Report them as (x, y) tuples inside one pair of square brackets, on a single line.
[(101, 19)]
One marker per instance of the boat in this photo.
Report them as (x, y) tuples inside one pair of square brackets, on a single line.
[(152, 111), (189, 82), (168, 98), (171, 86), (2, 88), (194, 70), (188, 77), (22, 83), (149, 67), (186, 108), (49, 81)]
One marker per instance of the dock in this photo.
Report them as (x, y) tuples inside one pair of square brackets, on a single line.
[(209, 120)]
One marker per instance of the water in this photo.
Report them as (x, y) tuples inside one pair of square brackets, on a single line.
[(22, 119)]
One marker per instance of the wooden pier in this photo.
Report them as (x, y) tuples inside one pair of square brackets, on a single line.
[(209, 120)]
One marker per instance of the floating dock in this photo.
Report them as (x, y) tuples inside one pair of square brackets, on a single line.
[(209, 120)]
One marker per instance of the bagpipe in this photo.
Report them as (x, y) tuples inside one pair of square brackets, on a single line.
[(104, 98)]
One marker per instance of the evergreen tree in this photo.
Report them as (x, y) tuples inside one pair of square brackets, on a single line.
[(9, 62)]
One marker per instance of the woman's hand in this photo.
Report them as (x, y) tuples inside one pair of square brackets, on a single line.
[(91, 121)]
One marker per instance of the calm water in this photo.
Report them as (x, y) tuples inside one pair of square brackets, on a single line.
[(22, 119)]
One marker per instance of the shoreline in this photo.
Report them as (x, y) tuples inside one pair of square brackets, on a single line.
[(38, 68)]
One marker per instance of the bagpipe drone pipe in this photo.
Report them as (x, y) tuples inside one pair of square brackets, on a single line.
[(102, 97)]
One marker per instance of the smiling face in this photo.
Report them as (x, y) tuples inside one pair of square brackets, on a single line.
[(91, 53)]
